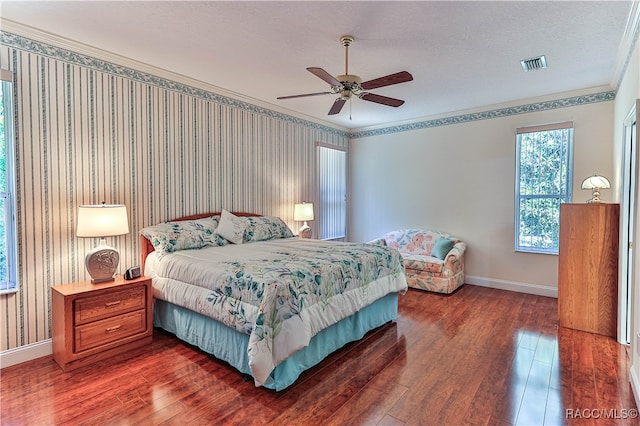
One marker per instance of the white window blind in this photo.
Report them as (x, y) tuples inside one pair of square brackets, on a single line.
[(332, 179)]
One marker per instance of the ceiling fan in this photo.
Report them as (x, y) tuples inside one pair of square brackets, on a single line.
[(347, 84)]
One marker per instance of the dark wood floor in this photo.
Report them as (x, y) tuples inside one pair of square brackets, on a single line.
[(480, 356)]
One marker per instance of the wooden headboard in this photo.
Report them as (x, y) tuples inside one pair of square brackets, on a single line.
[(146, 247)]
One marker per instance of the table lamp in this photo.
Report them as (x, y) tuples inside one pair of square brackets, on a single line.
[(102, 220), (303, 212), (595, 183)]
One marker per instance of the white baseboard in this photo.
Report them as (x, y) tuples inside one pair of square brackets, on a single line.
[(635, 384), (537, 289), (25, 353)]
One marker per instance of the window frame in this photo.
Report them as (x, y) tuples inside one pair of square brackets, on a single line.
[(563, 198), (323, 215), (11, 285)]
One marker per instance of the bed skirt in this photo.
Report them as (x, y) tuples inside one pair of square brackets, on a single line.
[(229, 345)]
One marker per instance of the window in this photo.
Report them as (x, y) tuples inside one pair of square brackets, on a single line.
[(332, 182), (8, 264), (544, 166)]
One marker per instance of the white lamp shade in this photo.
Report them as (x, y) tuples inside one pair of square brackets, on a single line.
[(596, 181), (303, 212), (102, 220)]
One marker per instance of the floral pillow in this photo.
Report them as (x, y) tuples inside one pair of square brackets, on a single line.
[(169, 237), (265, 228)]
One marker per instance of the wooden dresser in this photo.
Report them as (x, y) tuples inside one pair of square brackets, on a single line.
[(96, 321), (588, 267)]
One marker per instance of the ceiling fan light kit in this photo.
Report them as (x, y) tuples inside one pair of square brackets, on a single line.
[(347, 85)]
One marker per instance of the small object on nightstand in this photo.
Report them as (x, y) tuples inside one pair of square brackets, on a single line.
[(133, 272), (304, 212)]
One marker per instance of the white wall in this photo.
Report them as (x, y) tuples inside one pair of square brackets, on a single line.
[(460, 179)]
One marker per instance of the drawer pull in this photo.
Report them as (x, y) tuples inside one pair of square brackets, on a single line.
[(112, 329), (112, 304)]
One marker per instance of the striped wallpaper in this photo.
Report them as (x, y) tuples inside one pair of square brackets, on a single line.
[(89, 131)]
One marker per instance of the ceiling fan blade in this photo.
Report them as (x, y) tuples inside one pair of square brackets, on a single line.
[(304, 95), (320, 73), (384, 100), (388, 80), (337, 106)]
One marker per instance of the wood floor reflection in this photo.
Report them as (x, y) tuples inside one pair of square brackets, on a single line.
[(479, 356)]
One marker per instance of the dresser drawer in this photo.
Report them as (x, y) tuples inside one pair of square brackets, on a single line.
[(107, 305), (109, 330)]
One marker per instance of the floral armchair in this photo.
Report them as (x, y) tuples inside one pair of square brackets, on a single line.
[(433, 261)]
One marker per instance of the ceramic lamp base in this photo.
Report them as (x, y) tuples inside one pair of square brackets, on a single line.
[(305, 231), (101, 263)]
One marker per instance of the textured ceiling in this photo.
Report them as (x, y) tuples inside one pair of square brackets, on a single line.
[(461, 54)]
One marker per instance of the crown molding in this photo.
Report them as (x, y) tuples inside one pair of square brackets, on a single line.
[(627, 44)]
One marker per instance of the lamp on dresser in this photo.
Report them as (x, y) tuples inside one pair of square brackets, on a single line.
[(100, 221), (303, 212), (595, 183)]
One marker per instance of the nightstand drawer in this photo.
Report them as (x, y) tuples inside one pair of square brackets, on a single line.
[(107, 305), (109, 330)]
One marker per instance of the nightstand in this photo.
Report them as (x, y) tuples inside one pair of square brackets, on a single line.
[(97, 321)]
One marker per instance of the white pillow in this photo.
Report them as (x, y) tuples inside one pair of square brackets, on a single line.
[(231, 227)]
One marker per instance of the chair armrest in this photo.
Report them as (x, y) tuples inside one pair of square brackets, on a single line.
[(454, 261), (458, 249)]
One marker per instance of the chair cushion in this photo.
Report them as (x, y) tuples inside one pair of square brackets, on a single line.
[(423, 263)]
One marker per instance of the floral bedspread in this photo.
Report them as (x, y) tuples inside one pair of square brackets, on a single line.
[(280, 292)]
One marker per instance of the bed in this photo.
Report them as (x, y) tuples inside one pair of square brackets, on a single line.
[(243, 288)]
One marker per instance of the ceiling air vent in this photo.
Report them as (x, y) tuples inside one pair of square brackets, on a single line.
[(533, 64)]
